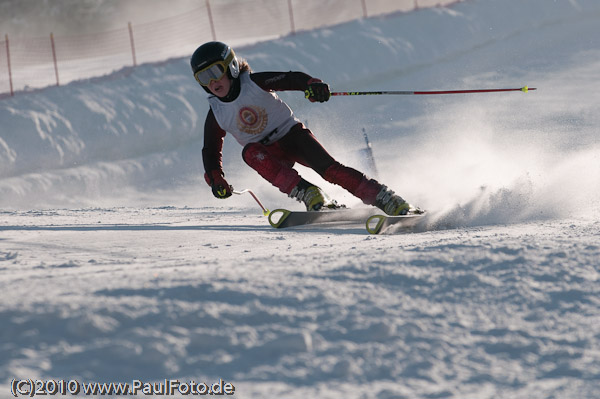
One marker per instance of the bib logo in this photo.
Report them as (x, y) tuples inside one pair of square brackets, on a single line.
[(252, 120)]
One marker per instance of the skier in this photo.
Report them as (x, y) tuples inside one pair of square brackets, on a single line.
[(244, 104)]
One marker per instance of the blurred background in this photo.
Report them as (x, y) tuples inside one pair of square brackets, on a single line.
[(53, 42)]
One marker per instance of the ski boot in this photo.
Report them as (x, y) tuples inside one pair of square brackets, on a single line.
[(392, 204), (313, 197)]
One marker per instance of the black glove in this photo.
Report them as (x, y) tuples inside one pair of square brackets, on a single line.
[(317, 91), (220, 188)]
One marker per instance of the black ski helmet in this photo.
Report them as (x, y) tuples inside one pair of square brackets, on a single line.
[(212, 52)]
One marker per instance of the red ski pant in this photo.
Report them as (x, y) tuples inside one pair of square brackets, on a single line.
[(275, 162)]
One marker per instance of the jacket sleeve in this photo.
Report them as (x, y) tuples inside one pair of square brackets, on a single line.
[(212, 152), (281, 81)]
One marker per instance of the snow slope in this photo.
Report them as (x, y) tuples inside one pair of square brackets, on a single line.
[(116, 263)]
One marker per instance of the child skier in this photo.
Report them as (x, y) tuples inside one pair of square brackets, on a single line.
[(244, 104)]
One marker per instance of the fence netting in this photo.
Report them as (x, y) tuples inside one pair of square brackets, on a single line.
[(34, 62)]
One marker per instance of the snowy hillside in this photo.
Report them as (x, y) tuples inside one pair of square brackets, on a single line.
[(117, 264)]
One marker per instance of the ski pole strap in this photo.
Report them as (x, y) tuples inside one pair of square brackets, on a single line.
[(524, 89)]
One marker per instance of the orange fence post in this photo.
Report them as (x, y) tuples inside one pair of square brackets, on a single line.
[(54, 57), (291, 10), (12, 92), (132, 43), (210, 19)]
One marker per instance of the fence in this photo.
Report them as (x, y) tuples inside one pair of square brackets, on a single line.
[(29, 63)]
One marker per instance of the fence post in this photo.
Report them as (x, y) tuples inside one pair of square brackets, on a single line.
[(291, 10), (12, 93), (132, 43), (364, 6), (211, 21), (54, 57)]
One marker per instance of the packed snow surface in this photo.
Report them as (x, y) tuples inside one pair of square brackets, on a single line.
[(117, 265)]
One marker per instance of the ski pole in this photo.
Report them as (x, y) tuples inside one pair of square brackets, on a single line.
[(524, 89), (265, 210)]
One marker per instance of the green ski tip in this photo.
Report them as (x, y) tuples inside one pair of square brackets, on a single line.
[(276, 221), (375, 223)]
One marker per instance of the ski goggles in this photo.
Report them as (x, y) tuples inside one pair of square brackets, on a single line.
[(214, 71)]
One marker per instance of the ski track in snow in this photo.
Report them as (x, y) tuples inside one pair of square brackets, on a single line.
[(117, 264)]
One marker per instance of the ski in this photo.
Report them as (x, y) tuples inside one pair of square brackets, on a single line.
[(378, 223), (282, 218)]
